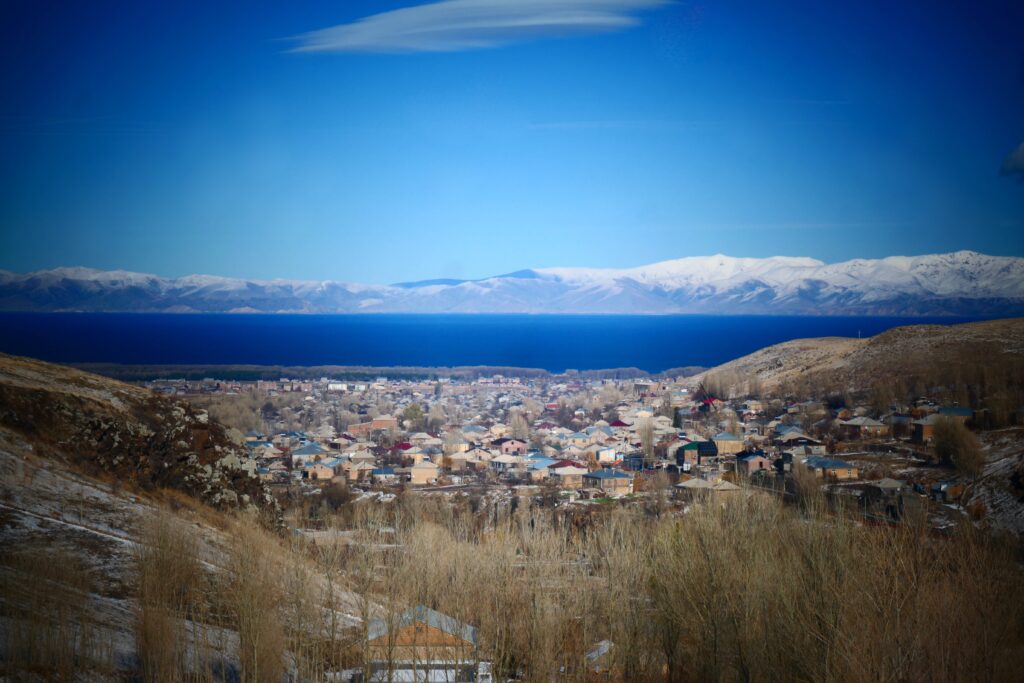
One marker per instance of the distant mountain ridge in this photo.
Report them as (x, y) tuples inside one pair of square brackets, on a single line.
[(960, 283)]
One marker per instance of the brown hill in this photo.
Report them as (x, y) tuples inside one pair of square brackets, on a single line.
[(988, 356)]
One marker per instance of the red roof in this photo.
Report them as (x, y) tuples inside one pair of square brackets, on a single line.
[(563, 463), (618, 423)]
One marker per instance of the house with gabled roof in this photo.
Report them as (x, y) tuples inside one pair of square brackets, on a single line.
[(727, 443), (307, 453), (568, 476), (609, 481), (693, 488), (423, 473), (422, 644), (862, 427), (748, 463), (510, 446)]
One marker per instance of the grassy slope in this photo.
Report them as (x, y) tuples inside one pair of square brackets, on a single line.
[(844, 364)]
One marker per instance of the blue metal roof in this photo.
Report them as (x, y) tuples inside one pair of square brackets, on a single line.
[(607, 474), (827, 463), (540, 463)]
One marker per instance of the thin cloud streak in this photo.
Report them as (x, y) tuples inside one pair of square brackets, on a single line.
[(627, 125), (453, 25)]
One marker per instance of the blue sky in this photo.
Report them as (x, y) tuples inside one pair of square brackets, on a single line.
[(317, 140)]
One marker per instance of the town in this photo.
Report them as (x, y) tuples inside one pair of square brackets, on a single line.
[(563, 441)]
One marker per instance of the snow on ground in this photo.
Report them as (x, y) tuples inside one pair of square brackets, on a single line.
[(47, 506), (1000, 488)]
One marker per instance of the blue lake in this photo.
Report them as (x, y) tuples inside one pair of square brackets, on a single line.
[(552, 342)]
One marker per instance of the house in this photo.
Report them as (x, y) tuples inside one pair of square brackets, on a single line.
[(358, 471), (831, 468), (383, 475), (304, 454), (504, 463), (457, 462), (579, 439), (693, 452), (456, 444), (422, 644), (478, 458), (510, 446), (377, 424), (795, 438), (747, 464), (569, 477), (609, 481), (862, 428), (537, 466), (899, 424), (692, 489), (423, 473), (924, 429), (317, 471)]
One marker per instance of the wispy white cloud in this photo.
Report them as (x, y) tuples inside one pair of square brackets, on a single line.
[(453, 25)]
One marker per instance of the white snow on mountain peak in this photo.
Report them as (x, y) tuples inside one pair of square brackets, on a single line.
[(962, 283)]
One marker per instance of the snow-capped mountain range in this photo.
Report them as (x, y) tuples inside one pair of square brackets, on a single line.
[(960, 283)]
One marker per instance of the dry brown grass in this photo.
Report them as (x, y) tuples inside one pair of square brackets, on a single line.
[(749, 590), (171, 584), (253, 597), (47, 624)]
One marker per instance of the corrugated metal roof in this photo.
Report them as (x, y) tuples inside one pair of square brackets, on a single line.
[(422, 613), (607, 474)]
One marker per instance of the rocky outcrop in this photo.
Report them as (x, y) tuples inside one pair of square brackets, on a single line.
[(126, 432)]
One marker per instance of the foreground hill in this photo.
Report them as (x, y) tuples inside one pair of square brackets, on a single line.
[(916, 353), (114, 503), (960, 283), (124, 432)]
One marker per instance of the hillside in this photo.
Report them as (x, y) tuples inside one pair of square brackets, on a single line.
[(916, 353), (960, 283), (125, 433), (112, 502)]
